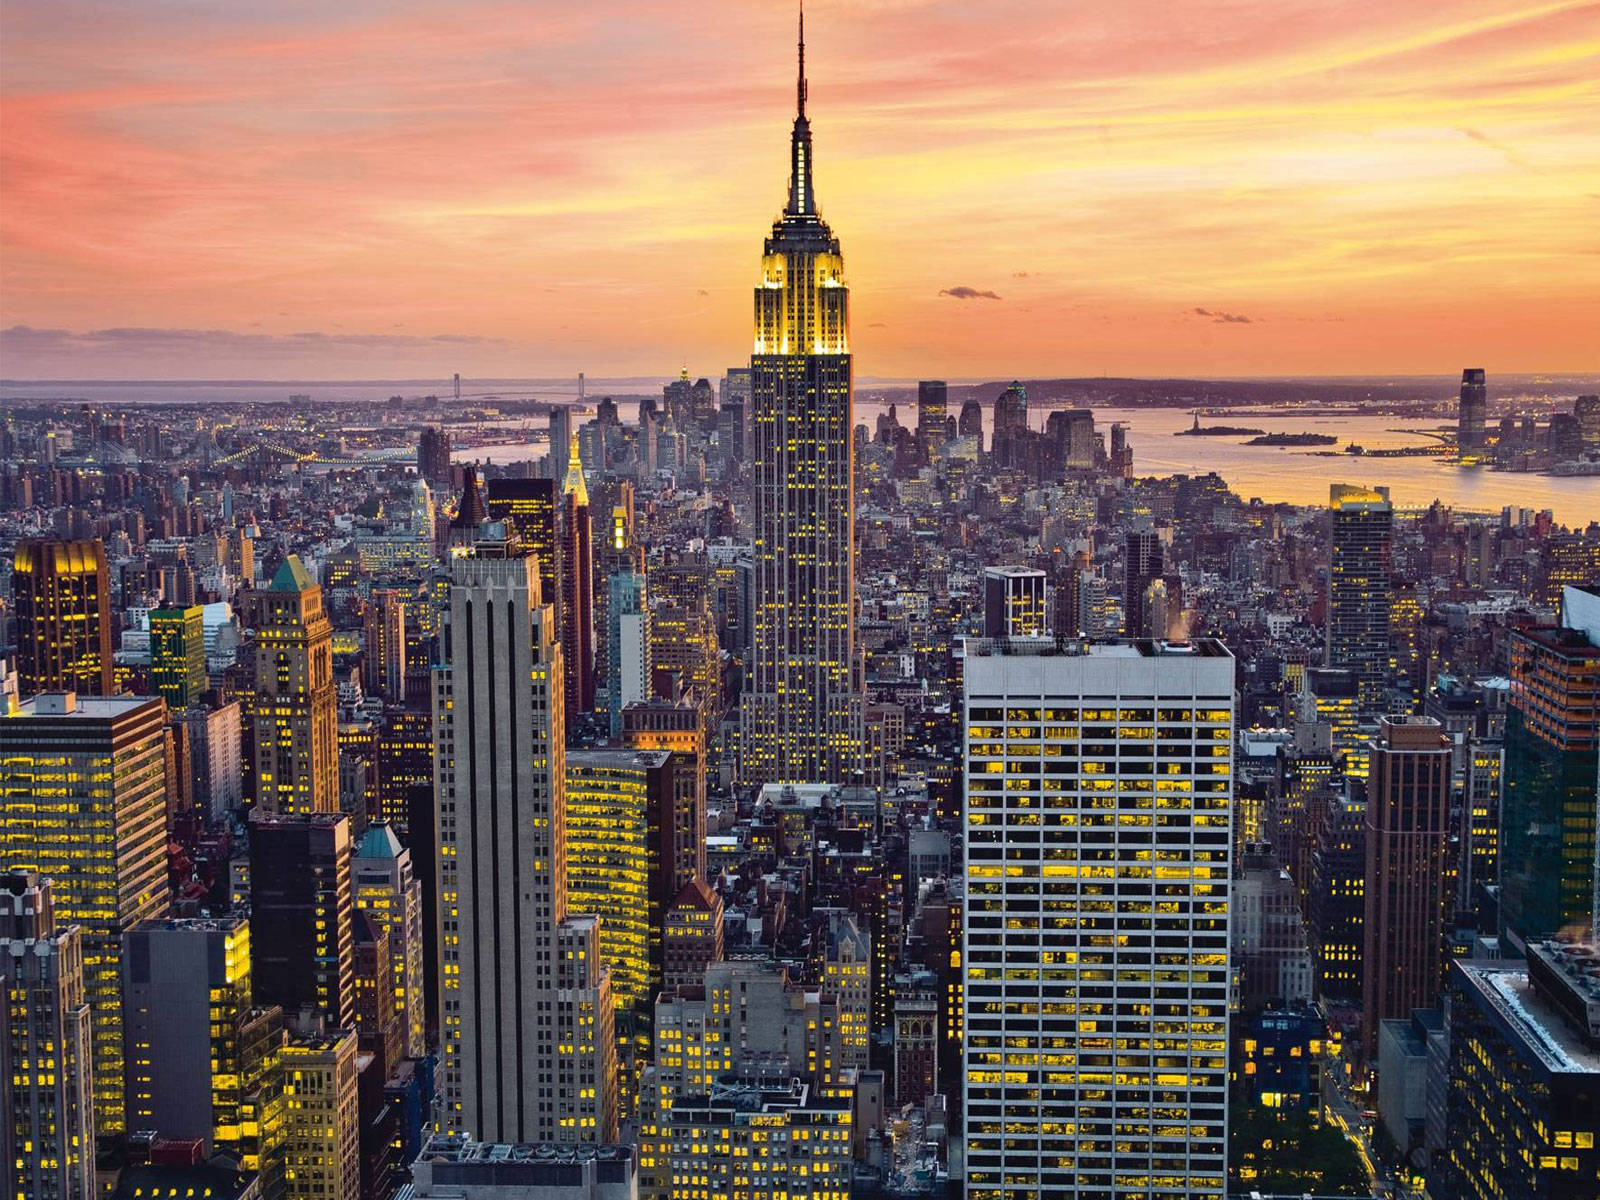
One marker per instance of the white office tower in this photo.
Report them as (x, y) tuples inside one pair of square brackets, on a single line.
[(1095, 952), (529, 1051)]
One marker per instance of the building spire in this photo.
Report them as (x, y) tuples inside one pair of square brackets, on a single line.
[(800, 83), (801, 201), (574, 482)]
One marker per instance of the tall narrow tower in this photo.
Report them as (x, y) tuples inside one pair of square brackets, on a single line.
[(296, 701), (802, 716)]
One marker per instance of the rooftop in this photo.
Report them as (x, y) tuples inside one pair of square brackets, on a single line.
[(1044, 647)]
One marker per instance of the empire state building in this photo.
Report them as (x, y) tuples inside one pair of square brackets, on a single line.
[(801, 718)]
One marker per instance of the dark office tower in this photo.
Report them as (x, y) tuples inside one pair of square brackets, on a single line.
[(1523, 1100), (971, 421), (178, 655), (84, 787), (1010, 421), (301, 906), (384, 648), (46, 1104), (932, 399), (1142, 565), (62, 592), (577, 587), (533, 507), (1408, 892), (1587, 410), (526, 1020), (802, 716), (296, 717), (433, 457), (193, 1071), (1474, 410), (731, 436), (1067, 618), (470, 511), (1013, 602), (1547, 812), (1358, 586)]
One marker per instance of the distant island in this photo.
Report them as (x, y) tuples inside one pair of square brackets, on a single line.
[(1293, 439), (1198, 430)]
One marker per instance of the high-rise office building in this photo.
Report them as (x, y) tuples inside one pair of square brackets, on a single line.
[(1142, 564), (384, 645), (1473, 411), (628, 661), (1408, 890), (533, 507), (202, 1061), (527, 1025), (388, 891), (577, 587), (62, 592), (301, 913), (322, 1116), (433, 457), (932, 406), (1099, 800), (46, 1097), (1361, 522), (84, 781), (802, 715), (616, 800), (1523, 1101), (178, 655), (296, 716), (1014, 603), (1552, 747)]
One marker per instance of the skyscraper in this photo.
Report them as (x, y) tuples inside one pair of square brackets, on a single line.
[(533, 508), (577, 587), (1099, 801), (1358, 586), (433, 457), (1408, 878), (388, 891), (194, 1070), (301, 913), (84, 784), (296, 701), (627, 644), (529, 1050), (178, 655), (46, 1106), (1142, 564), (1548, 857), (802, 716), (322, 1116), (932, 402), (1474, 410), (384, 648), (62, 592)]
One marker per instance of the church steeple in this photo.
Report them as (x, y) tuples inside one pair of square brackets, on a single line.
[(802, 201)]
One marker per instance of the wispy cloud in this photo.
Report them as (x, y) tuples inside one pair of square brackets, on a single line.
[(1222, 318), (963, 292)]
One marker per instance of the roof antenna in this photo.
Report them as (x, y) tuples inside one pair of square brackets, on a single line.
[(800, 86)]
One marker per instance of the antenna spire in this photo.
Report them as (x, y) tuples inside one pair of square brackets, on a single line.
[(800, 86)]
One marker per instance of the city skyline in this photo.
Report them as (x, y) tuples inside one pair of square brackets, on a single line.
[(499, 191)]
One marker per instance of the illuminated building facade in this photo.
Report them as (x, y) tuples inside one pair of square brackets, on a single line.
[(387, 890), (62, 592), (83, 803), (384, 645), (1547, 813), (46, 1103), (202, 1062), (801, 719), (527, 1024), (1409, 884), (1362, 523), (322, 1121), (533, 509), (691, 936), (659, 725), (178, 655), (296, 700), (1337, 902), (615, 803), (1524, 1078), (1095, 953), (301, 912)]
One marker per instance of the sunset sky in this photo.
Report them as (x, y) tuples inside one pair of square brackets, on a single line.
[(1139, 187)]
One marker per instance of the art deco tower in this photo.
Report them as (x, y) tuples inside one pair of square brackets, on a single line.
[(802, 716)]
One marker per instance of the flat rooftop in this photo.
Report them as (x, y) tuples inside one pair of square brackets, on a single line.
[(1506, 991), (1125, 648)]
